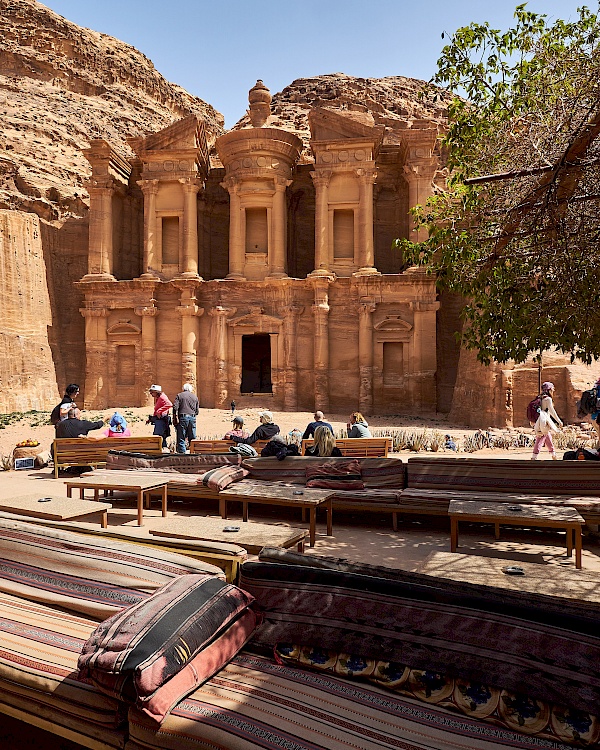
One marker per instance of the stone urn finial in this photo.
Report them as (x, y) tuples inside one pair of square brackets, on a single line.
[(259, 97)]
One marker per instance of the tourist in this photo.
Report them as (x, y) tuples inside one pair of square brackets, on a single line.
[(232, 404), (74, 426), (310, 429), (71, 393), (357, 426), (238, 430), (117, 427), (546, 423), (324, 444), (595, 415), (185, 410), (449, 443), (279, 448), (161, 419), (265, 430), (295, 436)]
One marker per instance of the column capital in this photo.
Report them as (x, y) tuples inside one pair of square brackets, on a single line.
[(292, 311), (94, 312), (146, 310), (231, 184), (418, 305), (366, 307), (222, 312), (190, 185), (420, 170), (148, 187), (281, 183), (320, 308), (365, 174), (321, 177), (100, 186), (189, 311)]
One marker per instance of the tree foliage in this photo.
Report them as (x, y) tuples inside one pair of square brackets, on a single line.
[(516, 230)]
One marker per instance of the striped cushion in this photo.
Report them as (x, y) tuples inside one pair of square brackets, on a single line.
[(82, 573), (383, 472), (39, 647), (335, 475), (510, 475), (547, 651), (174, 640), (189, 463), (254, 703), (220, 478)]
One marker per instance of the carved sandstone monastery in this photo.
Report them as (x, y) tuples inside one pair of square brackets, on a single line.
[(255, 264)]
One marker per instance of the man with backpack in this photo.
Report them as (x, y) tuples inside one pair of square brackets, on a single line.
[(546, 422)]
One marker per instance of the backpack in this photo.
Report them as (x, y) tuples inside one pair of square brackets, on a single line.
[(533, 409), (588, 403)]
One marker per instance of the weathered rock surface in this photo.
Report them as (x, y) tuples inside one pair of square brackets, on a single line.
[(394, 102), (60, 86)]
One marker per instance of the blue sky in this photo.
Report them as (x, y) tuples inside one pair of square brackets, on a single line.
[(217, 50)]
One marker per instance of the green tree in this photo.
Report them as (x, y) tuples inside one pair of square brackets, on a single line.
[(516, 229)]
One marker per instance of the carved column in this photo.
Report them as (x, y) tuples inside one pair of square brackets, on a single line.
[(423, 368), (237, 250), (322, 250), (419, 177), (219, 336), (365, 356), (96, 350), (366, 178), (190, 228), (151, 259), (100, 257), (278, 259), (321, 345), (190, 312), (290, 339), (148, 315)]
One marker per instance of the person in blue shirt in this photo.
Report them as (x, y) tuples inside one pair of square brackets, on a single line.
[(310, 430)]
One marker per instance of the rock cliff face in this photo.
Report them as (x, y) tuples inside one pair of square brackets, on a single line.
[(60, 86), (394, 102)]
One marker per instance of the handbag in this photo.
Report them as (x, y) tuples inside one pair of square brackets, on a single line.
[(544, 424)]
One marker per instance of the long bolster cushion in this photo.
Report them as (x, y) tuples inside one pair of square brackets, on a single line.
[(550, 654), (84, 574), (158, 651), (39, 648), (188, 463)]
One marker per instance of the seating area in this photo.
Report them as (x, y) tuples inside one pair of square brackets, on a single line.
[(307, 652), (68, 452), (358, 447)]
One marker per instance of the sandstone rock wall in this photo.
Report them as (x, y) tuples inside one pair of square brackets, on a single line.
[(28, 377)]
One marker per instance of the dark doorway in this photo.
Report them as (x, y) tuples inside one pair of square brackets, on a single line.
[(256, 363)]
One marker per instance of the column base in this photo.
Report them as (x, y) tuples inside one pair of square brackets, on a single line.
[(321, 272), (98, 277), (367, 271), (236, 277), (149, 276), (189, 275), (277, 275)]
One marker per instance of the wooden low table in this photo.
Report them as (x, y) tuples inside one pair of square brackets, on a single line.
[(537, 579), (56, 508), (543, 516), (141, 486), (252, 536), (289, 497)]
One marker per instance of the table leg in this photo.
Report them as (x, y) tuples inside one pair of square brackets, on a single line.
[(453, 534), (96, 494), (329, 517), (104, 520), (578, 536), (313, 526), (497, 530), (81, 493), (223, 507), (300, 546), (140, 507), (245, 511), (69, 490), (394, 521), (570, 531), (164, 500)]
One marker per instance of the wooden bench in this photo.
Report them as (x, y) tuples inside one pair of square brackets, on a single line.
[(358, 447), (90, 452), (220, 446)]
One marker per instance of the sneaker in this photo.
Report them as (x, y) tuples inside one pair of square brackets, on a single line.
[(534, 457), (554, 457)]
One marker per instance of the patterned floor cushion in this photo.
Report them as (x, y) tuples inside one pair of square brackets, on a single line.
[(39, 647), (256, 704)]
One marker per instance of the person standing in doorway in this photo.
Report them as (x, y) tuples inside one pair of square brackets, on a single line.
[(546, 423), (161, 419), (185, 410)]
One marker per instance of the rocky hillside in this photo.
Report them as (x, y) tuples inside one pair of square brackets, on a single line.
[(60, 86), (393, 101)]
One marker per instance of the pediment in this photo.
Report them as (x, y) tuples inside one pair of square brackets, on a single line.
[(393, 323), (337, 125), (124, 327), (257, 321), (187, 133)]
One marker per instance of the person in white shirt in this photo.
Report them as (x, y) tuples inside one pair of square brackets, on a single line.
[(547, 423)]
